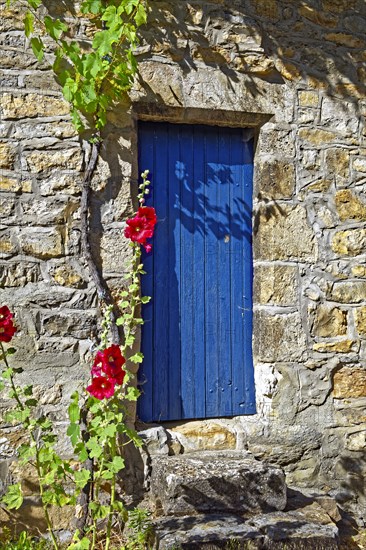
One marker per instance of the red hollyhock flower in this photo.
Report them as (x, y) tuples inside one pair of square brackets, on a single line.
[(5, 314), (138, 230), (148, 214), (7, 328), (112, 364), (101, 387), (98, 364)]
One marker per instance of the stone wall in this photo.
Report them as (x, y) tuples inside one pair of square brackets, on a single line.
[(294, 72)]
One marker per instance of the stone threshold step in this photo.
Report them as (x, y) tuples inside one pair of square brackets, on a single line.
[(277, 531)]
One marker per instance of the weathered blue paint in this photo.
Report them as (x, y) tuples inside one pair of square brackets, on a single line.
[(198, 328)]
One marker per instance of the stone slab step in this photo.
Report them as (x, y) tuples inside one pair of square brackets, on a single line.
[(216, 481), (275, 531)]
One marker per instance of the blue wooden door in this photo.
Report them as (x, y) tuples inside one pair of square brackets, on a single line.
[(197, 336)]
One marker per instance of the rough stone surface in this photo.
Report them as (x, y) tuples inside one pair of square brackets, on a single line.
[(223, 481), (204, 435), (330, 322), (270, 531), (349, 382), (276, 239), (350, 242), (360, 320), (276, 284)]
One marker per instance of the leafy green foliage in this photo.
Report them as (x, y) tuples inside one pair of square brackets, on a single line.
[(91, 79)]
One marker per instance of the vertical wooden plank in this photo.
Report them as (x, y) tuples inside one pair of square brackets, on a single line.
[(198, 266), (224, 183), (161, 356), (211, 275), (241, 296), (173, 267), (247, 163), (187, 270)]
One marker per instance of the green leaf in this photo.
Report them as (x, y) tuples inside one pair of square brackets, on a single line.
[(17, 415), (28, 391), (132, 394), (7, 374), (34, 3), (103, 41), (73, 431), (91, 6), (120, 321), (37, 47), (117, 464), (137, 358), (10, 351), (99, 511), (81, 478), (130, 340), (109, 431), (28, 24), (74, 412), (95, 450), (54, 27), (145, 299), (141, 15), (13, 498)]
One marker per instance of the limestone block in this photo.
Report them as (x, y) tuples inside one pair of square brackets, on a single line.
[(205, 435), (46, 212), (285, 530), (35, 129), (330, 322), (275, 178), (41, 161), (360, 320), (349, 206), (359, 164), (31, 105), (284, 234), (316, 136), (7, 208), (308, 98), (337, 163), (340, 115), (359, 270), (276, 141), (338, 6), (278, 337), (7, 245), (19, 274), (220, 481), (347, 292), (65, 183), (342, 346), (41, 242), (65, 275), (7, 156), (267, 8), (356, 441), (343, 39), (319, 186), (350, 242), (355, 23), (349, 382), (77, 325), (276, 284), (12, 184), (325, 19)]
